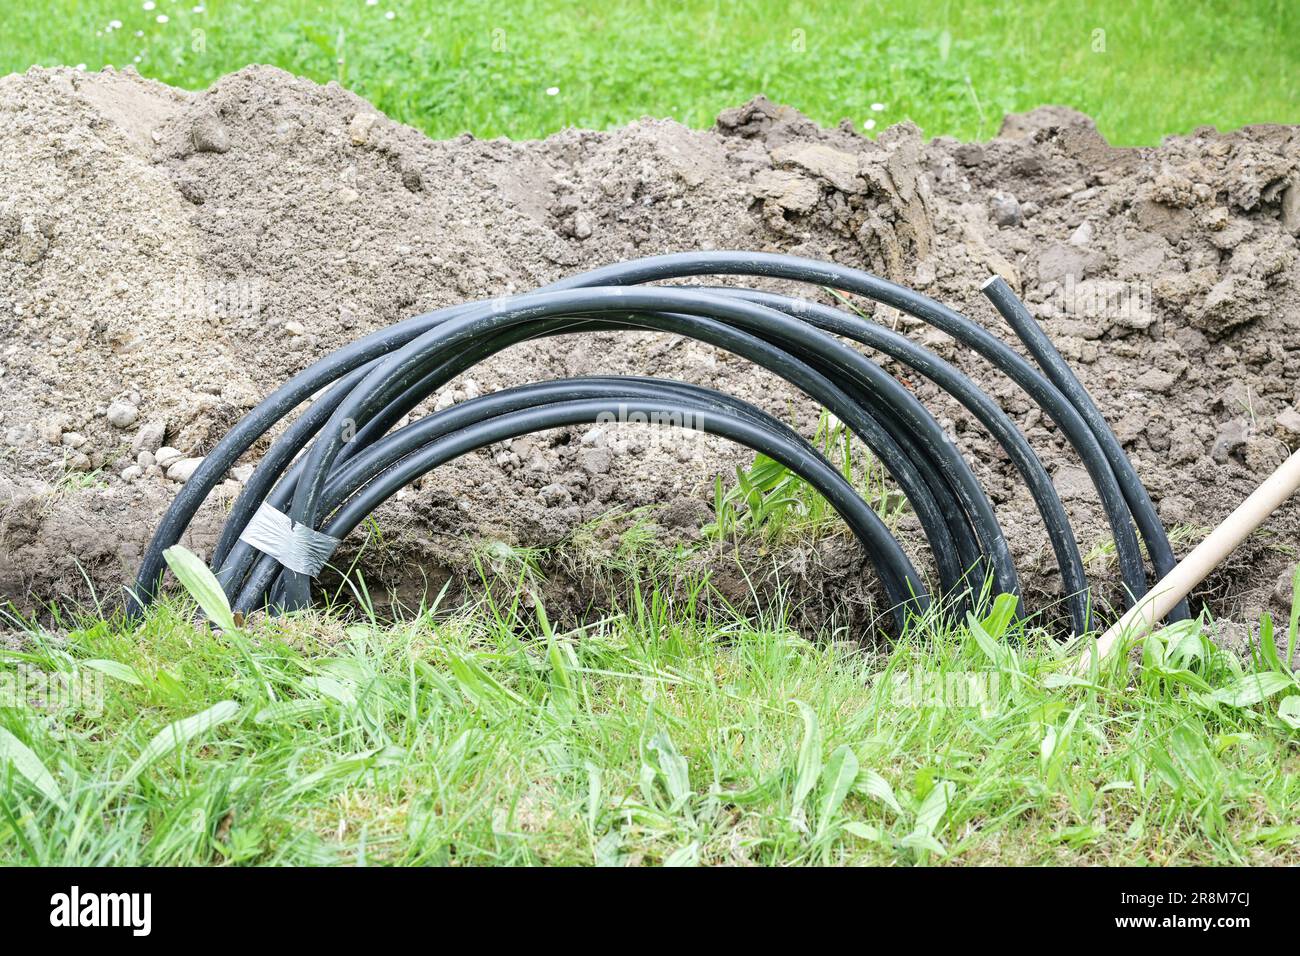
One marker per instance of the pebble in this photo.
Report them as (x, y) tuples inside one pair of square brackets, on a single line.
[(1291, 208), (1006, 209), (209, 135), (52, 432), (183, 469), (1231, 437), (149, 438), (33, 245), (73, 439), (412, 178), (555, 494), (145, 459), (192, 189), (132, 472), (596, 461), (360, 127), (1083, 235), (166, 456), (1283, 590), (582, 228), (122, 414), (1157, 380), (1289, 421)]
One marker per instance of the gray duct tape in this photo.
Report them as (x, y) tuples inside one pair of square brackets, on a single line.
[(296, 546)]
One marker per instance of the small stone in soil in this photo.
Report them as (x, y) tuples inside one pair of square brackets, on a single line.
[(183, 469), (555, 494), (1006, 209), (1231, 438), (149, 437), (412, 178), (166, 456), (1289, 421), (122, 414), (209, 135), (359, 128)]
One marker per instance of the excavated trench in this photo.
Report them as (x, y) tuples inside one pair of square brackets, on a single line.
[(168, 259)]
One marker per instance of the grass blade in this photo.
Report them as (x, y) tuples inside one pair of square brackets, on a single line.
[(672, 765), (30, 768), (934, 806), (174, 736), (837, 780), (874, 785), (115, 669), (1294, 626), (202, 584), (809, 765), (1252, 689)]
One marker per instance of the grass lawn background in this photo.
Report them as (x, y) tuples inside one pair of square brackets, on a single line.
[(1142, 70)]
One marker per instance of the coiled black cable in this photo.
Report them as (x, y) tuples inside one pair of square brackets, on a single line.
[(352, 462)]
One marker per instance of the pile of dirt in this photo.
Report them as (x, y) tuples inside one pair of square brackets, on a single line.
[(167, 258)]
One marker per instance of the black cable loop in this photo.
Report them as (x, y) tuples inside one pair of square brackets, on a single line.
[(364, 389)]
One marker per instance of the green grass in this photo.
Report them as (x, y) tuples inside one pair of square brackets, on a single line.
[(954, 68), (770, 501), (666, 734)]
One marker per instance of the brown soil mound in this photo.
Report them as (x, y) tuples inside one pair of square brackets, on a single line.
[(167, 258)]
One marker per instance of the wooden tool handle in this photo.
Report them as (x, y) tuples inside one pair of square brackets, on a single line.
[(1205, 557)]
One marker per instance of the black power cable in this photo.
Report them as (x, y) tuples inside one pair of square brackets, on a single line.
[(353, 460), (423, 445)]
